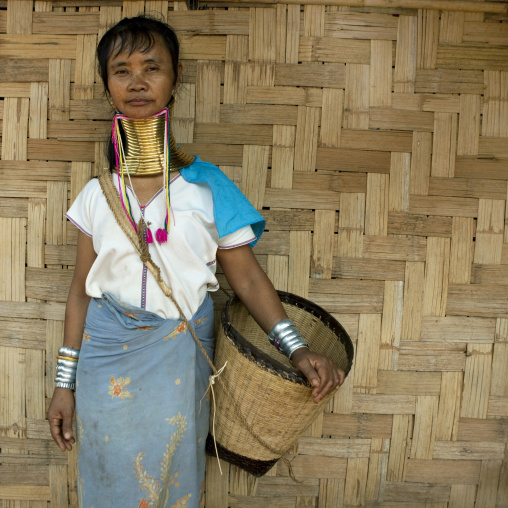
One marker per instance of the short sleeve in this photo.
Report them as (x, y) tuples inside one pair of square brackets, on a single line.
[(232, 210), (241, 237), (80, 211)]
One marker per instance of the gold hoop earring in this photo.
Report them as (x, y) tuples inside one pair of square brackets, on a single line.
[(111, 103)]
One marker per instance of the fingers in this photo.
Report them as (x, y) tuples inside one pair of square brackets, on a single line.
[(329, 378), (301, 359), (61, 432), (310, 373), (56, 432), (321, 372), (67, 430)]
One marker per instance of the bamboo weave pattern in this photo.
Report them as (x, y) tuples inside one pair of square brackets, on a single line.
[(373, 136)]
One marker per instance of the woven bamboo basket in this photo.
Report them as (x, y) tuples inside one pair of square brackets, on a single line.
[(262, 403)]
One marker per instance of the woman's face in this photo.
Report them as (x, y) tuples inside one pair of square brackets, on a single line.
[(141, 84)]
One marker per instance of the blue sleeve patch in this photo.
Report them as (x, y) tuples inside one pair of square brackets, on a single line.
[(232, 210)]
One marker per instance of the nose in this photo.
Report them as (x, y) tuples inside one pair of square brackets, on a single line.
[(137, 82)]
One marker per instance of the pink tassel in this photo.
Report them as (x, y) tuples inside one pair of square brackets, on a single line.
[(161, 235), (149, 236)]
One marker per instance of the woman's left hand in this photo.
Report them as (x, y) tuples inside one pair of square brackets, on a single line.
[(321, 372)]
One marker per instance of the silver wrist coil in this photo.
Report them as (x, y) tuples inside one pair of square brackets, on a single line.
[(70, 386), (68, 351), (66, 369), (66, 363), (286, 338), (65, 373)]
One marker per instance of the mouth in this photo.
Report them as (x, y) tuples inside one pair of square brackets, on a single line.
[(138, 101)]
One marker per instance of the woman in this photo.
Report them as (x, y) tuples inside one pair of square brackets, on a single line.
[(141, 414)]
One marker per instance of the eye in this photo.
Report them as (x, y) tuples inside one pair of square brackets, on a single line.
[(153, 68), (121, 71)]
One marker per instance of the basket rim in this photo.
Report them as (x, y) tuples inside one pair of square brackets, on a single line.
[(269, 363)]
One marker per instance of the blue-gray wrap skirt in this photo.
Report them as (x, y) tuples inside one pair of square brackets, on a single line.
[(142, 407)]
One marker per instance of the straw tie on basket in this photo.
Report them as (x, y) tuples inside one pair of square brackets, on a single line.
[(210, 387), (138, 241)]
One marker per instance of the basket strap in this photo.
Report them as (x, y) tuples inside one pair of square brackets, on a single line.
[(138, 241)]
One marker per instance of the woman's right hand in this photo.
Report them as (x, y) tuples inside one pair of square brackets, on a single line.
[(60, 413)]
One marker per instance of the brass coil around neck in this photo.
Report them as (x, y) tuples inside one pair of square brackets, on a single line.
[(144, 146)]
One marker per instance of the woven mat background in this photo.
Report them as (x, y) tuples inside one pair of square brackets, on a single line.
[(373, 135)]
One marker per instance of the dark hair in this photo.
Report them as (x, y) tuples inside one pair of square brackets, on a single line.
[(136, 34)]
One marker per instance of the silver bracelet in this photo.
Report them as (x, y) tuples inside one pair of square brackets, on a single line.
[(66, 368), (70, 364), (286, 338), (70, 386), (69, 351)]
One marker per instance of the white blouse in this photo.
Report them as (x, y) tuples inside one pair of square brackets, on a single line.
[(187, 260)]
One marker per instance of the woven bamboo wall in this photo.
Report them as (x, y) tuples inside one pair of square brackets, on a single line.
[(374, 136)]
